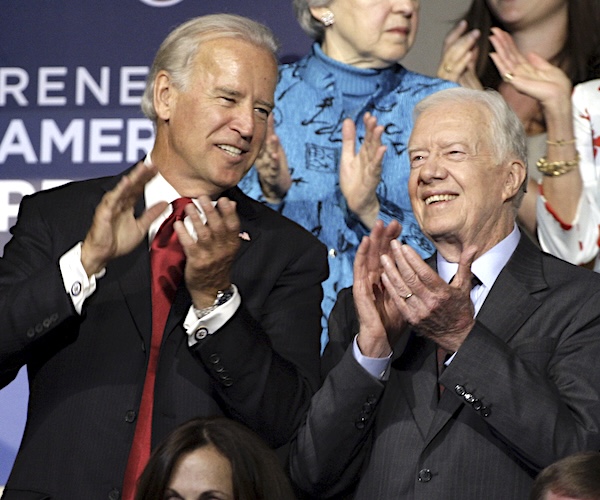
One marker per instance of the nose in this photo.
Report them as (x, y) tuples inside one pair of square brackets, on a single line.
[(243, 122), (405, 7), (431, 170)]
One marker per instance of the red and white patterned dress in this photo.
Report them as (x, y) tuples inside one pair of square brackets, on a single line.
[(579, 242)]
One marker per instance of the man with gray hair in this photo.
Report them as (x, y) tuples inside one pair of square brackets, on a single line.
[(463, 376), (140, 301)]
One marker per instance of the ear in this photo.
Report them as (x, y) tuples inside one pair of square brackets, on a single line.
[(319, 12), (517, 172), (164, 95)]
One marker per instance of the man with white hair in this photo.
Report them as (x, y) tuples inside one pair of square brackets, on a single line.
[(465, 375)]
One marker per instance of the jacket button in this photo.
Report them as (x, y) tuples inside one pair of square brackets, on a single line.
[(214, 359), (460, 390), (485, 411), (130, 416), (469, 398), (359, 424), (114, 494), (425, 475)]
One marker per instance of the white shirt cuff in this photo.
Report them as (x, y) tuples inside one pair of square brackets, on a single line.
[(199, 328), (75, 279), (377, 367)]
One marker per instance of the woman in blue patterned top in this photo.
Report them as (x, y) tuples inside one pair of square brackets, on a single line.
[(351, 72)]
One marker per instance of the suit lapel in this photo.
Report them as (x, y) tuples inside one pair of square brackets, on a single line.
[(179, 309), (509, 304), (132, 272), (416, 374), (512, 298), (250, 230)]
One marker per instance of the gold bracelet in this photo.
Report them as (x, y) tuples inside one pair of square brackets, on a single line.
[(556, 168), (560, 142)]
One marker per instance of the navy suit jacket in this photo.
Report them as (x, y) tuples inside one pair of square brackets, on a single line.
[(86, 372)]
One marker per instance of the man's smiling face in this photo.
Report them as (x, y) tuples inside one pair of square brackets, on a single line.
[(457, 185)]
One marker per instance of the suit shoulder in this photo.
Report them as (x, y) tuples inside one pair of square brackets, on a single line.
[(575, 284), (71, 193), (558, 271)]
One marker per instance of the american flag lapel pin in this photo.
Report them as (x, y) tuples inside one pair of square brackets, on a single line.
[(244, 236)]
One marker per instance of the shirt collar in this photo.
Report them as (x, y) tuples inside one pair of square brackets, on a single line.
[(488, 266), (158, 189)]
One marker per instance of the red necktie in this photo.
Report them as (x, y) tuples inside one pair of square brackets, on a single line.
[(166, 266)]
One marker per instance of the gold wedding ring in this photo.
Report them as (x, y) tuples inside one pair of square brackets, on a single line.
[(408, 296), (508, 76)]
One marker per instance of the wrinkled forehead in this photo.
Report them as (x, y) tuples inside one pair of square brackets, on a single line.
[(237, 46), (452, 122)]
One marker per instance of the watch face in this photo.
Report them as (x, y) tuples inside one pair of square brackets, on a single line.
[(223, 296)]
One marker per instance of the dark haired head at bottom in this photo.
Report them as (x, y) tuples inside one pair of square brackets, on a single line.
[(217, 454)]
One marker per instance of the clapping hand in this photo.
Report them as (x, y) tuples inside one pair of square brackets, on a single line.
[(437, 310), (209, 257), (360, 173), (115, 231), (272, 167), (460, 56), (381, 323), (531, 74)]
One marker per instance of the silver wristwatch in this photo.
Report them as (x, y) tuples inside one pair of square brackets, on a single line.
[(222, 297)]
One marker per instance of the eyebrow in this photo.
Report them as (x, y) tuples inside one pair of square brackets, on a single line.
[(172, 493), (203, 496), (236, 93), (209, 494)]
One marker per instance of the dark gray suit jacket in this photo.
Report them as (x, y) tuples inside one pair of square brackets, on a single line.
[(86, 372), (522, 391)]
